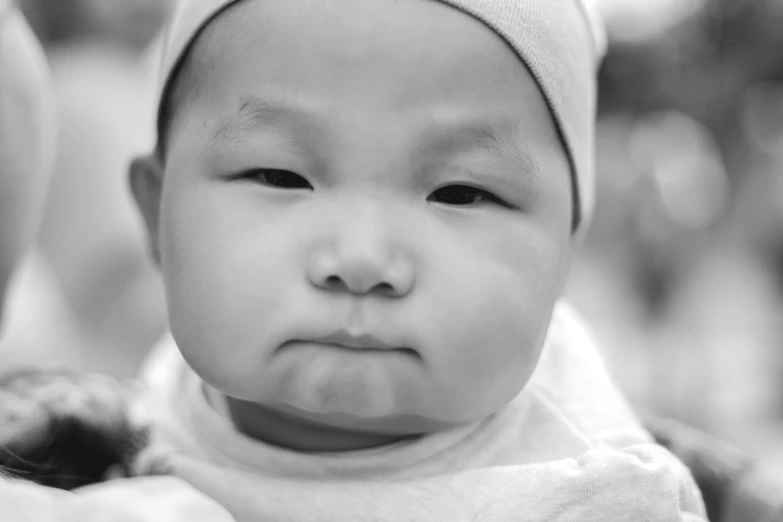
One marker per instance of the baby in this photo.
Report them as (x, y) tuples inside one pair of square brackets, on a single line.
[(364, 212)]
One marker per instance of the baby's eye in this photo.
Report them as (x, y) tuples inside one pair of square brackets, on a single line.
[(464, 195), (283, 179)]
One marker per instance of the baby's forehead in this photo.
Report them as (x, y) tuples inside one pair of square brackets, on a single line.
[(277, 38), (220, 43)]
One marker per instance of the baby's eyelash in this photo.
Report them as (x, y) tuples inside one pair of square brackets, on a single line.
[(278, 178), (465, 195)]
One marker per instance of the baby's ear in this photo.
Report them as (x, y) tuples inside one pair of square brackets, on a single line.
[(146, 181)]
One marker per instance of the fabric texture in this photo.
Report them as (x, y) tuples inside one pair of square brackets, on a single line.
[(560, 41), (145, 499)]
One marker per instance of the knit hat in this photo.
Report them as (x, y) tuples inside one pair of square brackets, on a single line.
[(561, 42)]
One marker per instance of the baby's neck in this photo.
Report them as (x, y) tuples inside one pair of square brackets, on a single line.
[(294, 433)]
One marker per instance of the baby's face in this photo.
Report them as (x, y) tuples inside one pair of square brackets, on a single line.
[(365, 215)]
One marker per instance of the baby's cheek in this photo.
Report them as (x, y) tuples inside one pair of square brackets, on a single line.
[(222, 296), (492, 332)]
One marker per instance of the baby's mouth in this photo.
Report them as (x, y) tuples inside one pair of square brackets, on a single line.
[(361, 342)]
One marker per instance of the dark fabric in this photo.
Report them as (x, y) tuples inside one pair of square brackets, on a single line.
[(65, 429)]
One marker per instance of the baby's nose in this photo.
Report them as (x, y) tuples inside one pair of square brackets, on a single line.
[(362, 270)]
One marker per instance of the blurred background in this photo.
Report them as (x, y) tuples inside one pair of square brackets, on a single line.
[(681, 273)]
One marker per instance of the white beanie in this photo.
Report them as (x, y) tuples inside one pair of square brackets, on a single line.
[(560, 41)]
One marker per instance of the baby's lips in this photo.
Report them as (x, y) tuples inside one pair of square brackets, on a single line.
[(362, 341), (350, 339)]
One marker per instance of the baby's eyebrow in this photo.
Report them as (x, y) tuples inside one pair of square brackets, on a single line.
[(495, 136), (253, 113)]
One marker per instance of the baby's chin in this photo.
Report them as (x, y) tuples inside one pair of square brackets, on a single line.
[(368, 401), (355, 386), (372, 403), (357, 398), (306, 431)]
